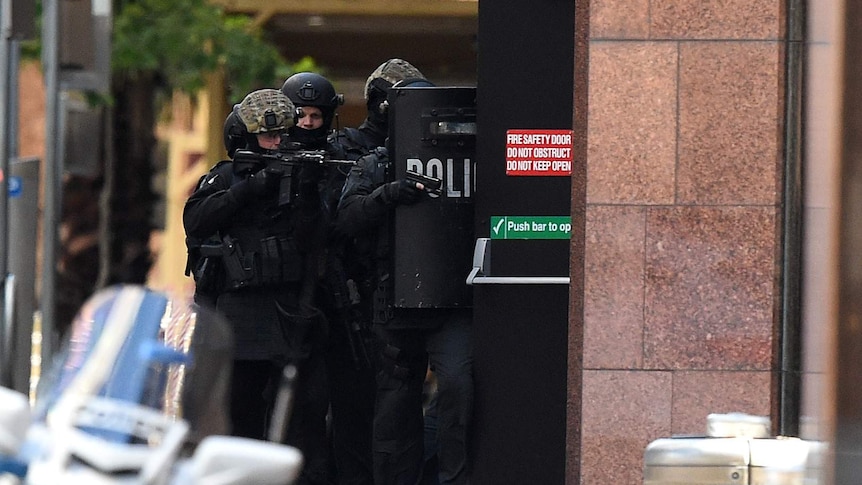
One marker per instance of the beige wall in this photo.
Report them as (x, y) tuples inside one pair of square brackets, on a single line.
[(187, 139), (684, 136), (821, 210), (31, 124), (823, 155)]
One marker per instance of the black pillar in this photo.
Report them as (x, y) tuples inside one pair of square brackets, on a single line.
[(525, 82)]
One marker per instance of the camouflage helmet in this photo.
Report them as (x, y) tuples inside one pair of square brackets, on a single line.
[(266, 110), (392, 71)]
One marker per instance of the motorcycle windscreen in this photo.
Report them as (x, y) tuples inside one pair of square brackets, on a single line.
[(130, 351)]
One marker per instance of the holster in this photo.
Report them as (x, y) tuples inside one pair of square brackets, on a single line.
[(239, 269), (208, 275)]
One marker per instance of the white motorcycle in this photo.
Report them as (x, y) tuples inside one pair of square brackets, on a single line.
[(137, 396)]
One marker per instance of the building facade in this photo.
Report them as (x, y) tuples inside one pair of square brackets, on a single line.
[(710, 271)]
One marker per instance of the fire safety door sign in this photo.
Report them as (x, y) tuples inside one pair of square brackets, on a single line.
[(543, 153)]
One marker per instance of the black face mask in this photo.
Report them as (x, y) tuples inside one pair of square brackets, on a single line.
[(378, 120), (315, 138), (378, 116)]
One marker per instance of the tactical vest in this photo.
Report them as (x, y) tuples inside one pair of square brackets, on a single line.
[(258, 248)]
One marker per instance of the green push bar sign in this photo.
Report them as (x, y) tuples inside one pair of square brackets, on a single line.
[(531, 227)]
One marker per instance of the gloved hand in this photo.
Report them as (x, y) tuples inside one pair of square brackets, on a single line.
[(264, 181), (397, 192)]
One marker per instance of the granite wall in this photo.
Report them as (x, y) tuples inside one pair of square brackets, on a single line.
[(684, 161)]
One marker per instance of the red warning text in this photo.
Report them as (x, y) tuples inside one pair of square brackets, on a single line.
[(539, 152)]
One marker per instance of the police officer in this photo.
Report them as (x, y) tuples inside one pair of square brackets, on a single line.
[(410, 338), (207, 271), (317, 102), (350, 350), (269, 252), (316, 97)]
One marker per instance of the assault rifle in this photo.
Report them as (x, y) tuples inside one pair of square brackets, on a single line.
[(345, 301), (285, 163)]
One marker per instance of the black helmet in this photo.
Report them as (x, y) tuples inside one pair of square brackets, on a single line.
[(234, 132), (311, 89)]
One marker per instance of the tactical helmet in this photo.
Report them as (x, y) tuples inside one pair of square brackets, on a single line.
[(389, 73), (266, 110), (311, 89)]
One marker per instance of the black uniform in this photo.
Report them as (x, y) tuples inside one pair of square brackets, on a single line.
[(346, 300), (268, 255), (408, 339)]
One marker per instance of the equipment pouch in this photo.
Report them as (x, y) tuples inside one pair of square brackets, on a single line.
[(299, 332), (280, 260), (269, 261)]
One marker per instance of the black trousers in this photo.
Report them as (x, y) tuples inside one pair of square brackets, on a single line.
[(398, 437), (254, 387), (351, 394)]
